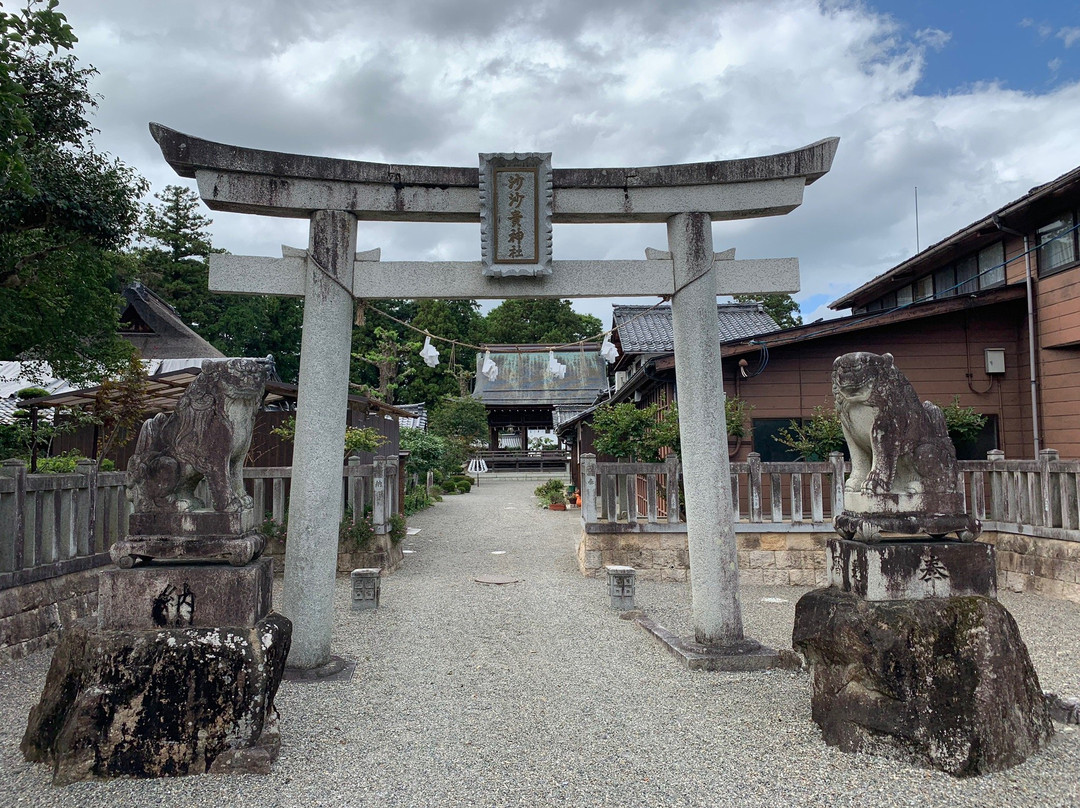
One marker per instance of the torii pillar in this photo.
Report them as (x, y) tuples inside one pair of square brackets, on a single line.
[(333, 194)]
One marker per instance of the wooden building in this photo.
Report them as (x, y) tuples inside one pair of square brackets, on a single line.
[(989, 317), (526, 393)]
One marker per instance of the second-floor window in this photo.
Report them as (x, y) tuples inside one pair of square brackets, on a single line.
[(1057, 244)]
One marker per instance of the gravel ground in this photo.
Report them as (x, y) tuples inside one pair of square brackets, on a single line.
[(536, 693)]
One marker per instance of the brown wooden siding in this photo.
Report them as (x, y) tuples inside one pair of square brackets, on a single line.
[(936, 354)]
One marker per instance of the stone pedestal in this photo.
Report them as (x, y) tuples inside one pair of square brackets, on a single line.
[(181, 595), (911, 570), (161, 702), (942, 682)]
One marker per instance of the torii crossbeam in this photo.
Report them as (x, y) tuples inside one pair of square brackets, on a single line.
[(334, 194)]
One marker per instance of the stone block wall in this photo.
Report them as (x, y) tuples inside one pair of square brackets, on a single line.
[(764, 558), (1034, 564), (33, 615), (1024, 563)]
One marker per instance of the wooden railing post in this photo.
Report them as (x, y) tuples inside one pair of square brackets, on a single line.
[(754, 459), (1046, 489), (837, 461), (11, 558), (84, 504), (588, 488), (996, 510), (354, 486), (672, 469)]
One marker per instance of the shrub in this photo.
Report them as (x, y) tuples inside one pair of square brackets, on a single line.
[(272, 529), (399, 529), (816, 437), (964, 424), (553, 491), (359, 534), (417, 499), (65, 463)]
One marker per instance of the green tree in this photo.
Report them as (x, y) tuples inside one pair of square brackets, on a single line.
[(458, 320), (782, 308), (636, 434), (460, 417), (174, 261), (541, 322), (369, 342), (64, 207)]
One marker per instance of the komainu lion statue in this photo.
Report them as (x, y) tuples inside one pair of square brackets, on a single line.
[(205, 438), (904, 475)]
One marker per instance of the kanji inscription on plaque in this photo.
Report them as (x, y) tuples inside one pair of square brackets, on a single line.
[(515, 214)]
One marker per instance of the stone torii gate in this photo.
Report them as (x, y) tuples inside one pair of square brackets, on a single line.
[(330, 275)]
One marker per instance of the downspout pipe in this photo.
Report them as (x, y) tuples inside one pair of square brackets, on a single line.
[(1031, 331)]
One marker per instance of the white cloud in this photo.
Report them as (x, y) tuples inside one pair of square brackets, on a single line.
[(609, 82), (1070, 36)]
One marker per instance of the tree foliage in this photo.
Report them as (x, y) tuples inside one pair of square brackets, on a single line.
[(542, 322), (782, 308), (173, 260), (461, 417), (815, 437), (64, 207), (627, 432)]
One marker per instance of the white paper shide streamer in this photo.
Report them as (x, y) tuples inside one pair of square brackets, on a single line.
[(555, 367), (429, 353), (489, 370), (609, 351)]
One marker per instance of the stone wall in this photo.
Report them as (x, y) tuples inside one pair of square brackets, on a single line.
[(783, 559), (1032, 564), (33, 615), (1024, 563)]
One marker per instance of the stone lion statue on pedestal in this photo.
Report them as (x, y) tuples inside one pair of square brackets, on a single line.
[(904, 475)]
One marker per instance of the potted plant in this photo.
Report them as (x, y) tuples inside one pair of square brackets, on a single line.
[(557, 501)]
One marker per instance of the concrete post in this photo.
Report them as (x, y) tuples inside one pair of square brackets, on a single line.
[(311, 552), (714, 568)]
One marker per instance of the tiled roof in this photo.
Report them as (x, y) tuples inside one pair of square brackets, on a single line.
[(524, 378), (645, 331)]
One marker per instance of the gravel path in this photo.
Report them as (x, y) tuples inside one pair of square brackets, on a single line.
[(536, 693)]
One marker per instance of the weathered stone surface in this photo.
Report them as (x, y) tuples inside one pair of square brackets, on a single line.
[(182, 595), (904, 475), (237, 550), (945, 683), (911, 570), (204, 439), (155, 703)]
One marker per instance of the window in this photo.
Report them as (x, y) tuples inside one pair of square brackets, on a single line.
[(924, 288), (1057, 244), (967, 271), (992, 265), (765, 431), (945, 282), (904, 296)]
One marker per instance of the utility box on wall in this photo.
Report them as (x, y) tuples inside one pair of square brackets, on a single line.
[(995, 361)]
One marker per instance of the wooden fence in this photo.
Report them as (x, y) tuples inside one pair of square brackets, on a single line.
[(1032, 497), (54, 524)]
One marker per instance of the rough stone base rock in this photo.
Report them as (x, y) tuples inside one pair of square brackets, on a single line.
[(945, 683), (158, 703)]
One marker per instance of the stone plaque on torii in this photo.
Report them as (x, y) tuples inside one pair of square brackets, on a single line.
[(334, 194)]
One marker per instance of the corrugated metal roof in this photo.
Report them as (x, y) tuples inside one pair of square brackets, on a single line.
[(642, 330), (524, 378)]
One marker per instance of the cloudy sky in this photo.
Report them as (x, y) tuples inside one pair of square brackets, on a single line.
[(972, 103)]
